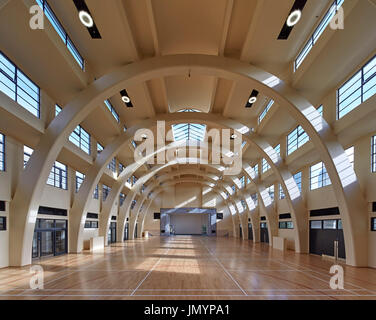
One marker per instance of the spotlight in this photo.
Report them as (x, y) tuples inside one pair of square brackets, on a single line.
[(252, 100), (125, 99), (86, 19), (294, 18)]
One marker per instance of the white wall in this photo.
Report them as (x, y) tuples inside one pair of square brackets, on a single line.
[(188, 223)]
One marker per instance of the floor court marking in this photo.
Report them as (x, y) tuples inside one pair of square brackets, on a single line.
[(287, 292), (321, 273), (66, 275), (142, 281), (224, 269), (186, 295)]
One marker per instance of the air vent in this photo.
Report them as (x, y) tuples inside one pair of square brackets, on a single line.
[(220, 216), (87, 19), (292, 19), (324, 212), (114, 218), (373, 206), (52, 211), (263, 218), (126, 99), (285, 216), (92, 215), (157, 215), (2, 205), (252, 99)]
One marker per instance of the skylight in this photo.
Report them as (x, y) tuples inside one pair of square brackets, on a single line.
[(189, 110), (189, 131)]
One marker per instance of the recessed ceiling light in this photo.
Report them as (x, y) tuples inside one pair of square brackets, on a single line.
[(294, 18), (233, 136), (252, 100), (125, 99), (86, 19), (144, 136)]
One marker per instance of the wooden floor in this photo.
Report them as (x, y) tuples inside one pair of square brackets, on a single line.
[(187, 267)]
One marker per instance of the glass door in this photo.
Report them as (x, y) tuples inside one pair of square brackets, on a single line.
[(50, 238), (126, 236), (60, 242), (35, 251), (111, 236), (46, 243), (113, 232)]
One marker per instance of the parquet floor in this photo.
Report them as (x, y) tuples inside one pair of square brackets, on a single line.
[(187, 267)]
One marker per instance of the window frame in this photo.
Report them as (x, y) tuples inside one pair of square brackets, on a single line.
[(96, 193), (3, 224), (373, 154), (35, 111), (298, 182), (91, 224), (297, 142), (324, 177), (60, 30), (2, 152), (265, 111), (59, 175), (373, 223), (361, 88), (286, 225), (271, 194), (81, 139), (79, 179), (312, 40), (111, 108), (122, 197), (112, 165), (105, 192)]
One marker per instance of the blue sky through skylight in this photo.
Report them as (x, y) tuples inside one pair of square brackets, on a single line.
[(189, 131)]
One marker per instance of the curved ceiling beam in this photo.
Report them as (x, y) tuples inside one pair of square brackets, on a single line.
[(353, 208), (159, 189), (124, 211)]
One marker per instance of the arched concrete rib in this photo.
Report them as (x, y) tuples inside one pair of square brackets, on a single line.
[(142, 180), (260, 146), (157, 189), (352, 205)]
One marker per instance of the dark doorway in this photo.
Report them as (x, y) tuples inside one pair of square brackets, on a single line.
[(250, 231), (50, 238), (264, 235), (322, 234), (135, 231), (111, 237), (126, 231), (240, 231)]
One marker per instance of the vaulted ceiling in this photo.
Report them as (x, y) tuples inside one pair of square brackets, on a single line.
[(134, 30)]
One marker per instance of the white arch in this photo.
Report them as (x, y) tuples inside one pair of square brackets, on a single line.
[(346, 187)]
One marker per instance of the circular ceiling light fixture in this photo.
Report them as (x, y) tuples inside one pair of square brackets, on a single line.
[(252, 100), (86, 19), (294, 18), (233, 136), (125, 99), (144, 136)]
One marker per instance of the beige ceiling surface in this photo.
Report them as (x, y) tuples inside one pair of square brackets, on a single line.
[(133, 30)]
